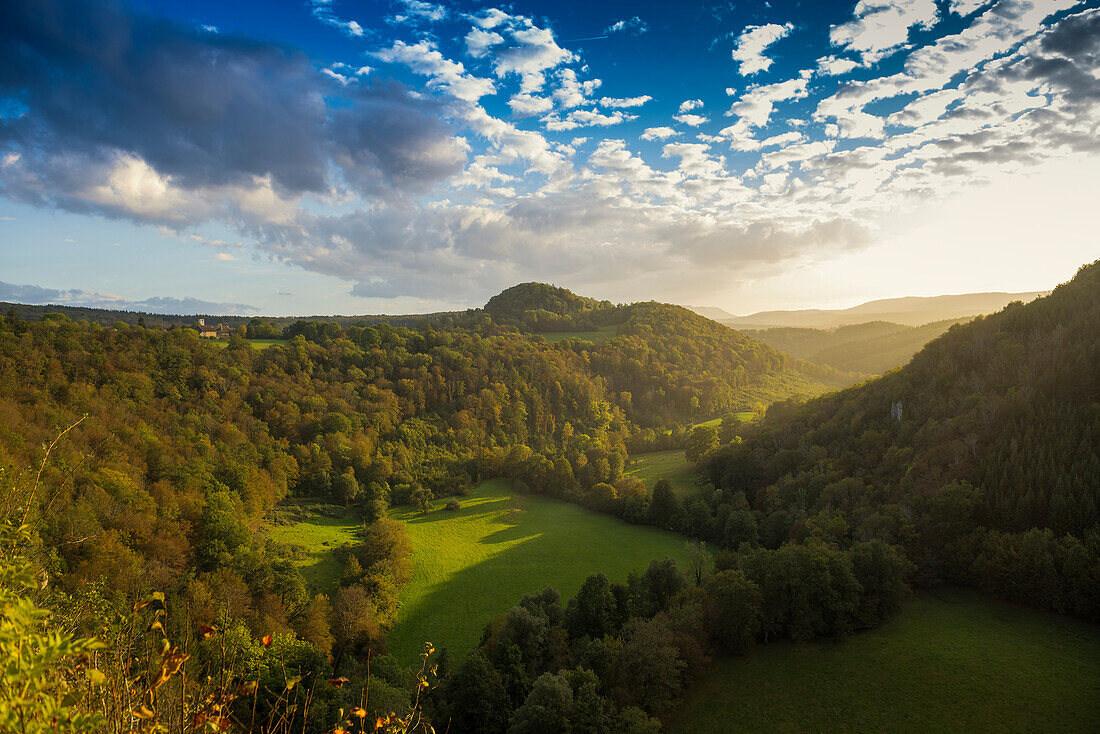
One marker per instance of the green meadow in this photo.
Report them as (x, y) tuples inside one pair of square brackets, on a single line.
[(671, 465), (256, 343), (473, 564), (952, 661), (313, 533)]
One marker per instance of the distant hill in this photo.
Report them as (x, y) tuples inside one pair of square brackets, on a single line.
[(673, 363), (109, 317), (712, 312), (665, 363), (872, 348), (909, 311)]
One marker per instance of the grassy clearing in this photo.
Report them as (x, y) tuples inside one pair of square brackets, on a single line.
[(671, 465), (952, 661), (476, 563), (599, 336), (256, 343), (313, 532), (746, 416)]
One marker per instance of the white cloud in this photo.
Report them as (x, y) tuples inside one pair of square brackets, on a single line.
[(634, 25), (529, 104), (572, 92), (882, 26), (659, 133), (585, 118), (834, 66), (322, 11), (490, 18), (690, 104), (224, 257), (443, 73), (966, 7), (425, 10), (1000, 28), (531, 53), (692, 120), (478, 42), (748, 49), (754, 107), (625, 101)]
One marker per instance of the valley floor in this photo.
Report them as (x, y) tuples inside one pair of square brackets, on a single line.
[(952, 661), (474, 564)]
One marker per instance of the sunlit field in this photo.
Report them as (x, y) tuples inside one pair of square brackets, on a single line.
[(473, 564)]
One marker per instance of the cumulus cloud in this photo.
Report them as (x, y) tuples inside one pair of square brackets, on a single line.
[(625, 101), (834, 66), (450, 76), (882, 26), (530, 104), (529, 52), (754, 107), (748, 49), (571, 91), (478, 42), (692, 120), (401, 191), (659, 133), (585, 118)]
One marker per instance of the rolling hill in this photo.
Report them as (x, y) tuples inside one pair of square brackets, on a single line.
[(981, 456), (872, 348), (908, 311)]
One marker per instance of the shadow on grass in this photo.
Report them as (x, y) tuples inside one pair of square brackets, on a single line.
[(553, 544)]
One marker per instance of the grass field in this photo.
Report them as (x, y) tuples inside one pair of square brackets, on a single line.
[(671, 465), (476, 563), (313, 538), (744, 417), (953, 661), (599, 336), (256, 343)]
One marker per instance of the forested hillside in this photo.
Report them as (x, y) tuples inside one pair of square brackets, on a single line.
[(185, 446), (981, 457), (871, 348)]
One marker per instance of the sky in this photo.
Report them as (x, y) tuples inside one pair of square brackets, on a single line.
[(394, 156)]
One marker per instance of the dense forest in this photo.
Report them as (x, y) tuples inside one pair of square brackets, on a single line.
[(144, 459), (981, 457), (617, 655), (139, 463)]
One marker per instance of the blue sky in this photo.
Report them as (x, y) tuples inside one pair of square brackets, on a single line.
[(329, 156)]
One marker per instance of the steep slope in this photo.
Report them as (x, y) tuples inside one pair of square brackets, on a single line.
[(995, 425)]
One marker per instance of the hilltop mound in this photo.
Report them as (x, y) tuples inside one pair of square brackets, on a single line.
[(515, 302)]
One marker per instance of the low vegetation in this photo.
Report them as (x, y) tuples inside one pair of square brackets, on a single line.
[(312, 536), (672, 465), (951, 661), (472, 564)]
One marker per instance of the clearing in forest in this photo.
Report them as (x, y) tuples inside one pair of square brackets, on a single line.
[(475, 563)]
